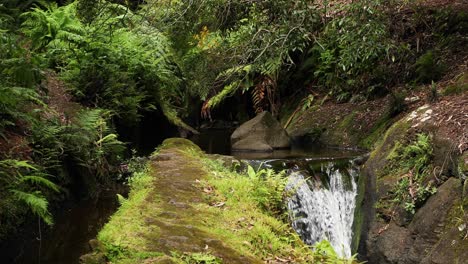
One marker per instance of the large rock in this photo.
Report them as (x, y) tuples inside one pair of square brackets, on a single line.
[(429, 238), (262, 133)]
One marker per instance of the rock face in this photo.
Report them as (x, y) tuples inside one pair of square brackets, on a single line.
[(262, 133), (434, 234), (348, 125), (429, 238)]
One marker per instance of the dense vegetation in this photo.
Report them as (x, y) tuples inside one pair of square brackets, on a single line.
[(112, 62)]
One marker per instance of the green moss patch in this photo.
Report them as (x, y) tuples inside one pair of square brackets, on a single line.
[(459, 87)]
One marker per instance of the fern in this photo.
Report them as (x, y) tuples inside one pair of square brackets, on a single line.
[(227, 91), (44, 26), (36, 202), (258, 95), (24, 182), (39, 181)]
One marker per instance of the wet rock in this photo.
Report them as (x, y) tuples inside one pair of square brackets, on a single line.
[(424, 239), (96, 245), (451, 248), (388, 246), (262, 133), (93, 258), (361, 160), (393, 235), (433, 213)]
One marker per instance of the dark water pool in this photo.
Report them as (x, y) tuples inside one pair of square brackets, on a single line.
[(67, 239), (217, 141)]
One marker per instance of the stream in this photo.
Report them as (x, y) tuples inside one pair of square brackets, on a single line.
[(323, 197), (323, 181), (67, 239)]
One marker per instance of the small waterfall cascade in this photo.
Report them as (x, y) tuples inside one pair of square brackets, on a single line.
[(322, 205)]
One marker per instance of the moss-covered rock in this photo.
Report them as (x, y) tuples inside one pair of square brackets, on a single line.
[(348, 125), (402, 171), (261, 133)]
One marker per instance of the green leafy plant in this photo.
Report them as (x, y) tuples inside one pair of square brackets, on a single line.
[(412, 162), (198, 258), (427, 68), (26, 184), (269, 189), (349, 47), (53, 23)]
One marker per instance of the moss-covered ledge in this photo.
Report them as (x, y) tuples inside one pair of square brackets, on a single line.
[(186, 208)]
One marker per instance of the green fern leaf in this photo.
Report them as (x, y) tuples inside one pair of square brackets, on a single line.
[(36, 203), (40, 181)]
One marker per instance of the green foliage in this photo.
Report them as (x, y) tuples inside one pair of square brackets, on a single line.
[(349, 47), (112, 62), (325, 249), (26, 184), (19, 72), (433, 94), (88, 141), (416, 156), (427, 69), (12, 102), (198, 258), (231, 43), (45, 26), (268, 189), (413, 163)]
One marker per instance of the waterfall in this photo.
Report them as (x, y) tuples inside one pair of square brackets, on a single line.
[(324, 209)]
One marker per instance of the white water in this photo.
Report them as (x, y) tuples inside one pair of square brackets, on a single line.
[(318, 212)]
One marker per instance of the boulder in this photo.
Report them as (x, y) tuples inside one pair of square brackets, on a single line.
[(429, 238), (93, 258), (262, 133)]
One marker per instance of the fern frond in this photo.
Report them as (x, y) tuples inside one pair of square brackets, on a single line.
[(227, 91), (36, 202), (16, 164), (39, 181), (258, 96)]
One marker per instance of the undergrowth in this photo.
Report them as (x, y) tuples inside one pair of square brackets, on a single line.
[(411, 163)]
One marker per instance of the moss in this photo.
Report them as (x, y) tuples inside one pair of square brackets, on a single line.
[(186, 208), (358, 214), (463, 165), (348, 120), (344, 133), (121, 235), (458, 214), (180, 144), (408, 168), (459, 87), (376, 133), (387, 142)]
